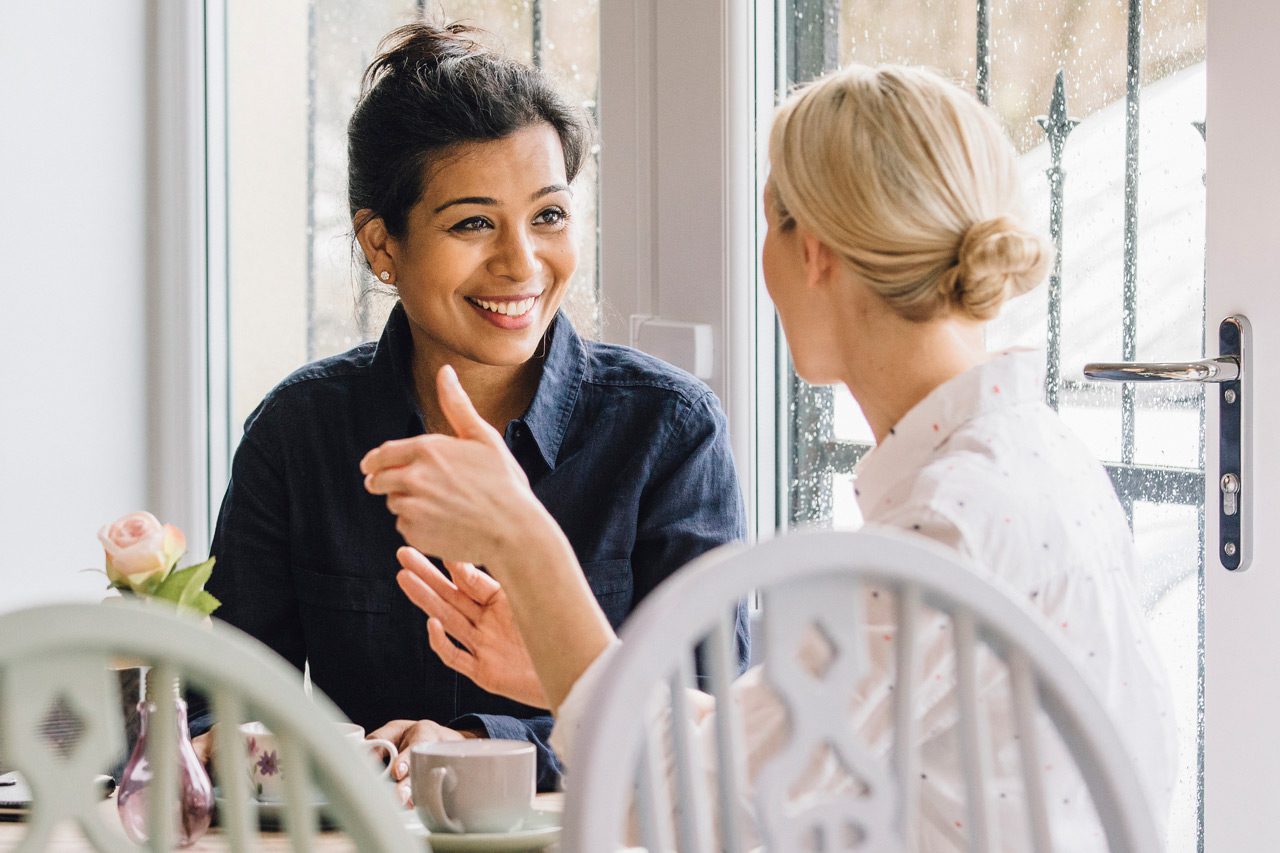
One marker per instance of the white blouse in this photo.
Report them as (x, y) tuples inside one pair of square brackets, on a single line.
[(983, 466)]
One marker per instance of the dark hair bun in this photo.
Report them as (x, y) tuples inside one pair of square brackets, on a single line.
[(418, 46)]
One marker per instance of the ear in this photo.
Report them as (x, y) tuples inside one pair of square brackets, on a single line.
[(378, 245), (819, 261)]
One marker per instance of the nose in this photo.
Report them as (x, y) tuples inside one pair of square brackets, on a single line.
[(516, 257)]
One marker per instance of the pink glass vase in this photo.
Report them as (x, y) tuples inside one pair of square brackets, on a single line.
[(195, 803)]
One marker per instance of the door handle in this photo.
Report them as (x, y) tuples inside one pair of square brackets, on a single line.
[(1229, 371), (1221, 369)]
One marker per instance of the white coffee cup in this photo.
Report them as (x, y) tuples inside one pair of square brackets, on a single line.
[(474, 785), (266, 772)]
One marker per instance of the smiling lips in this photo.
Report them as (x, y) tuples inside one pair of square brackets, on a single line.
[(515, 312)]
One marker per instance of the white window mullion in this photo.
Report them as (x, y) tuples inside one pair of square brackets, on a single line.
[(678, 255), (178, 472)]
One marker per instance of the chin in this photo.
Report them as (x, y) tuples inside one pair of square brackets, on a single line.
[(815, 373), (507, 354)]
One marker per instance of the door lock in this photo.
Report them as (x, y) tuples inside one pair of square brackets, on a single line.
[(1229, 371)]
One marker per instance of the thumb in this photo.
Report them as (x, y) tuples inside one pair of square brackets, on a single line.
[(459, 411)]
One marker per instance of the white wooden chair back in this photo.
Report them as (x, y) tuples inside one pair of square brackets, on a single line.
[(631, 768), (57, 660)]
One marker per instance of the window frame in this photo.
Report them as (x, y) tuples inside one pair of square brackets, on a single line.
[(679, 102)]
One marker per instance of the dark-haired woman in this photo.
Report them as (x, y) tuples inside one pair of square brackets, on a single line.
[(460, 181)]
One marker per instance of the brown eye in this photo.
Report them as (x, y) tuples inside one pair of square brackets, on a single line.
[(475, 223), (551, 216)]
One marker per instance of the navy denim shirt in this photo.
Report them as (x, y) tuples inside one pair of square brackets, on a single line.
[(629, 454)]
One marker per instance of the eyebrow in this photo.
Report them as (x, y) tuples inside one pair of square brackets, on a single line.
[(493, 202)]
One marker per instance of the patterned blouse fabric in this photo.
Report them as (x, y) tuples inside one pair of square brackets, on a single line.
[(983, 466)]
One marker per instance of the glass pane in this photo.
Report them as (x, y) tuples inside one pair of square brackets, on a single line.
[(297, 292), (1157, 465)]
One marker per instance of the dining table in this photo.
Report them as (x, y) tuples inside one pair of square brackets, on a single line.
[(67, 839)]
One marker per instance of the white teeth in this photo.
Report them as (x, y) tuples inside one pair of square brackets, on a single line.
[(509, 309)]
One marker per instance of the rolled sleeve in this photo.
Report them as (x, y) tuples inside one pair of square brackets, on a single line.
[(535, 730)]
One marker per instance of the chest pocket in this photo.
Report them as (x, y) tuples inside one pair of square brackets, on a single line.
[(345, 594), (611, 584)]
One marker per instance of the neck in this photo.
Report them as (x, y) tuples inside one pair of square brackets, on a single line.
[(905, 362), (500, 393)]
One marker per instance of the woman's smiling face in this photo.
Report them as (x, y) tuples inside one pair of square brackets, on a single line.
[(489, 249)]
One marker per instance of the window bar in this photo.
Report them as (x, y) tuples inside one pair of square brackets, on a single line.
[(1200, 649), (1133, 82), (536, 24), (1057, 126), (984, 51), (312, 73), (812, 49)]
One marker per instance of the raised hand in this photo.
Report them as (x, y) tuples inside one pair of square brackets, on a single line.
[(472, 609), (463, 499)]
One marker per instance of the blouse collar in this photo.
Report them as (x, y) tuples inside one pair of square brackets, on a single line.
[(1010, 378)]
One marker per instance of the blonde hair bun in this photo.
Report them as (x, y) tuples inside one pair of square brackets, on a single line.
[(997, 260), (913, 183)]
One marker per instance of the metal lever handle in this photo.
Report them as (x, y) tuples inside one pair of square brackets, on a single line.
[(1230, 371), (1221, 369)]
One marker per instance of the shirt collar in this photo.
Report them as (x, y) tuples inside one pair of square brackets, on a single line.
[(1010, 378), (563, 370), (547, 418)]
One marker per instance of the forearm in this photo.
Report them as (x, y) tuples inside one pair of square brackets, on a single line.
[(562, 624)]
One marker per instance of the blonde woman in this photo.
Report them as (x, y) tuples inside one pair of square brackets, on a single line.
[(893, 237)]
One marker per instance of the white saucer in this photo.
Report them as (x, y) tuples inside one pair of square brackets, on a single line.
[(540, 830)]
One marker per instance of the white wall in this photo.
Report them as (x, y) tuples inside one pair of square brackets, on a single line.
[(73, 317)]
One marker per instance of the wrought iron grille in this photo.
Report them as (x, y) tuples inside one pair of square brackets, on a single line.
[(813, 456), (811, 48)]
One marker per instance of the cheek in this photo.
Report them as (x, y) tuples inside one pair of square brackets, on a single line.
[(561, 259)]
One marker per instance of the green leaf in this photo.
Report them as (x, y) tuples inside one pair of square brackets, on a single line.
[(205, 603), (184, 585)]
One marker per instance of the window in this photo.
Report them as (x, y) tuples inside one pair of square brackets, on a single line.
[(298, 289), (1105, 103)]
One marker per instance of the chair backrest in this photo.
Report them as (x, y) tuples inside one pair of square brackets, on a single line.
[(57, 661), (680, 788)]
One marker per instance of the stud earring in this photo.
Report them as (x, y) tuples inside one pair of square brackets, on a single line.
[(384, 275)]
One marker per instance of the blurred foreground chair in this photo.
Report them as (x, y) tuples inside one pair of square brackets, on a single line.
[(55, 665), (651, 771)]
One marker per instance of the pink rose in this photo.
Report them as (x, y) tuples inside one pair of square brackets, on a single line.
[(139, 549)]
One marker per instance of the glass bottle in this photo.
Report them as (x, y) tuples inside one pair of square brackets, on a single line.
[(133, 795)]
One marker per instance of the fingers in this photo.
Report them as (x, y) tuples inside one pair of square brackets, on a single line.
[(458, 410), (455, 622), (389, 454), (392, 731), (413, 560), (203, 746), (477, 585), (420, 731), (404, 790), (399, 452), (458, 660)]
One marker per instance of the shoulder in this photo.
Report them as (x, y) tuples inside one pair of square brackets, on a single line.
[(638, 398), (313, 386), (1020, 487), (613, 366)]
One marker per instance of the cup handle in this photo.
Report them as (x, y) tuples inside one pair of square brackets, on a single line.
[(433, 801), (386, 746)]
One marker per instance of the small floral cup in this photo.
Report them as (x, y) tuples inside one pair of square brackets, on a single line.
[(266, 773)]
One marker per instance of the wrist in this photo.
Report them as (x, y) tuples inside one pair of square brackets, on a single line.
[(529, 530)]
